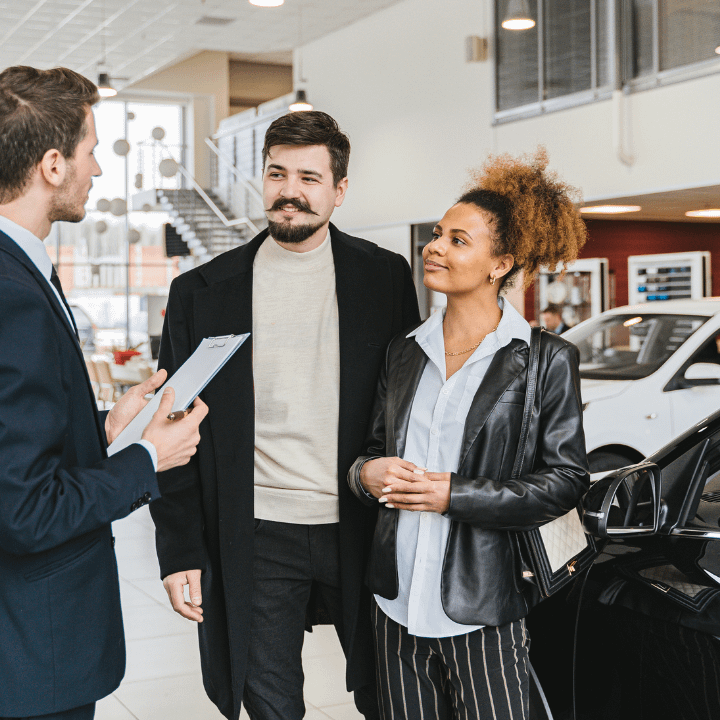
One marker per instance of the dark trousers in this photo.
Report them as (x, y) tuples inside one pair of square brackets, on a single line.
[(288, 561), (482, 675), (86, 712)]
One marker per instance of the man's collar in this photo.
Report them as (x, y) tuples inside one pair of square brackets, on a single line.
[(30, 244)]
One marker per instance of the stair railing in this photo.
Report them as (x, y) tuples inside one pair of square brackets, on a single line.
[(227, 222)]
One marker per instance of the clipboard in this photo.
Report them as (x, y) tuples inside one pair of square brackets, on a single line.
[(188, 382)]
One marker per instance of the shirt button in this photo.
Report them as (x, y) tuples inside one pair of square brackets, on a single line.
[(433, 432), (445, 391)]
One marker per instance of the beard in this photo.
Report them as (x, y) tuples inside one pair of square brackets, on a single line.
[(65, 205), (286, 232), (292, 234)]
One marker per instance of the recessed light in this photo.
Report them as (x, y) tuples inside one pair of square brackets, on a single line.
[(708, 212), (717, 49), (609, 209), (519, 24), (267, 3)]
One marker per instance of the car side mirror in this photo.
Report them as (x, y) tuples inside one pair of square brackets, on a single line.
[(703, 371), (625, 503)]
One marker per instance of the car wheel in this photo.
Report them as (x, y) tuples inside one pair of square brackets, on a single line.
[(602, 461)]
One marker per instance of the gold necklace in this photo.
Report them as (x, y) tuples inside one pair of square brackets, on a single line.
[(462, 352)]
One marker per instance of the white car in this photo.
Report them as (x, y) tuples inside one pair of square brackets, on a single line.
[(649, 372)]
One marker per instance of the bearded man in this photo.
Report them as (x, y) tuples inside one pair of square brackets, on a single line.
[(262, 525)]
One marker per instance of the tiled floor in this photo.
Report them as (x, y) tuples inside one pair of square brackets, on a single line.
[(162, 680)]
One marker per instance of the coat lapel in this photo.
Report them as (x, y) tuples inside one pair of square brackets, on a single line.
[(507, 364), (9, 245), (361, 283), (224, 307), (12, 248), (406, 378)]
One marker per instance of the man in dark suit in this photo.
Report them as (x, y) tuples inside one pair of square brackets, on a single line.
[(552, 319), (262, 525), (62, 638)]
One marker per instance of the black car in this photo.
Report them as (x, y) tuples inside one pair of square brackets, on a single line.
[(648, 612)]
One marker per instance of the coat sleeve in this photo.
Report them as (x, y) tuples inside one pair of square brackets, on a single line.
[(374, 446), (178, 514), (45, 498), (560, 472)]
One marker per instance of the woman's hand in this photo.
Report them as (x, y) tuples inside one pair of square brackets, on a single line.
[(378, 473), (428, 492)]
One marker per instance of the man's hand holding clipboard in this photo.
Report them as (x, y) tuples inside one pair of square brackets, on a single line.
[(179, 397)]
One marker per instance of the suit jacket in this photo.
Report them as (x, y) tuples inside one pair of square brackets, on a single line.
[(60, 623), (481, 576), (205, 519)]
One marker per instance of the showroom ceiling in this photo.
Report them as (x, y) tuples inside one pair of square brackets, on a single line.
[(666, 206), (143, 36)]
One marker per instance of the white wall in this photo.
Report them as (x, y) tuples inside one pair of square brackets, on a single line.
[(419, 117)]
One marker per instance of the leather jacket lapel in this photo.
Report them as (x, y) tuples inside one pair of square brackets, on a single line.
[(507, 364), (408, 373)]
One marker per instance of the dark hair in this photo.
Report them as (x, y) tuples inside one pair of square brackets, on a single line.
[(533, 215), (311, 127), (40, 110), (552, 309)]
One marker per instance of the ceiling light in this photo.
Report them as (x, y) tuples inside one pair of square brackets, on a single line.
[(717, 50), (301, 102), (708, 212), (518, 16), (609, 209), (105, 89), (267, 3)]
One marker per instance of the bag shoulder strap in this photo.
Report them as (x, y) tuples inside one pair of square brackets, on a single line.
[(532, 373)]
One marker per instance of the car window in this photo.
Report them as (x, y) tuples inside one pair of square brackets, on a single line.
[(631, 346), (709, 352)]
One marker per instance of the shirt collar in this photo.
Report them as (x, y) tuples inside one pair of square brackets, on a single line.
[(512, 325), (31, 245)]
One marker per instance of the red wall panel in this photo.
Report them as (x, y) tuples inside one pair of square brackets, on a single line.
[(616, 240)]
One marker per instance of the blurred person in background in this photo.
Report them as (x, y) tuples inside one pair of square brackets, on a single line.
[(552, 319), (60, 620)]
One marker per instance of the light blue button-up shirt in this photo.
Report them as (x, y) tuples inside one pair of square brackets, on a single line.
[(434, 440), (34, 248)]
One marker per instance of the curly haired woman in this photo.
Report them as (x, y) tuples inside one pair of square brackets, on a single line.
[(450, 602)]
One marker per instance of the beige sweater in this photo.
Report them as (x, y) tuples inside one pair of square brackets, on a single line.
[(296, 369)]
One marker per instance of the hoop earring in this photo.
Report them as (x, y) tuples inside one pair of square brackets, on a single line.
[(492, 279)]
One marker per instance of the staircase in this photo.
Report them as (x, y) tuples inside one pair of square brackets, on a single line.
[(205, 233)]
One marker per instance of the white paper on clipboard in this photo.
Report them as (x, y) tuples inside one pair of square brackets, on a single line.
[(188, 382)]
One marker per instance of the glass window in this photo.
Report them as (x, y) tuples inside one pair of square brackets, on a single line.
[(570, 37), (643, 23), (517, 62), (689, 31), (568, 52)]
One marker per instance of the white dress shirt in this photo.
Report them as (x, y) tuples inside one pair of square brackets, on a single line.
[(34, 248), (434, 440)]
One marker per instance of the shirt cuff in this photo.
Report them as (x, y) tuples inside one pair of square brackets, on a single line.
[(151, 449), (359, 484)]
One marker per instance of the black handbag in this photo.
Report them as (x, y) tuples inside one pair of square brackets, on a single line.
[(560, 550)]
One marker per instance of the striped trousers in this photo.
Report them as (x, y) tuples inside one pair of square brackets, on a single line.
[(482, 675)]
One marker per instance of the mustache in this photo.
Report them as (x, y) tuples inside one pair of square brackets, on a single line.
[(297, 204)]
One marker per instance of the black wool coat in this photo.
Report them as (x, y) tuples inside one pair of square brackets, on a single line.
[(205, 518)]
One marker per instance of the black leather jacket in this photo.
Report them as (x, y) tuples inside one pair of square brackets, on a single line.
[(481, 577)]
